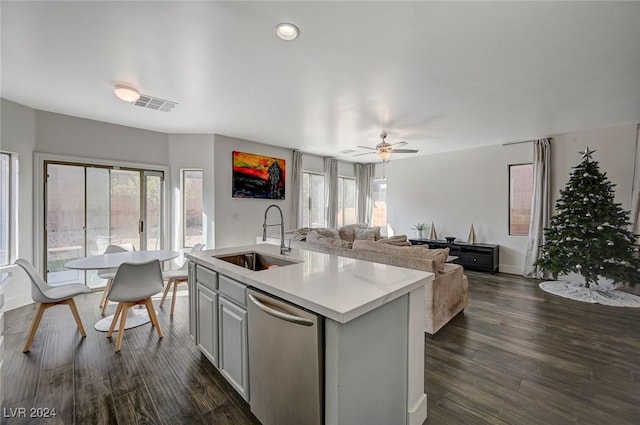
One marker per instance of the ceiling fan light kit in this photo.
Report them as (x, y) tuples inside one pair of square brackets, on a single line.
[(384, 150)]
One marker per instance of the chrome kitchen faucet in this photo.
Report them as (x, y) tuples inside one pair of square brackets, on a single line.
[(283, 249)]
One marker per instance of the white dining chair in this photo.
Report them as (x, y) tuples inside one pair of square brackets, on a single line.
[(109, 274), (134, 284), (48, 296), (175, 278)]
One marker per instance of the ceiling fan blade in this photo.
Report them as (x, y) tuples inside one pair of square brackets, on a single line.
[(401, 143), (405, 151), (366, 153), (366, 147)]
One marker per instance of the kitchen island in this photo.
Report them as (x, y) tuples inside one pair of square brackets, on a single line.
[(371, 338)]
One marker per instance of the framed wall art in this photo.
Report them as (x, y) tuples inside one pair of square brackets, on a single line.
[(258, 176)]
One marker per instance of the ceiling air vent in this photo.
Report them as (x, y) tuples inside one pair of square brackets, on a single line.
[(156, 103)]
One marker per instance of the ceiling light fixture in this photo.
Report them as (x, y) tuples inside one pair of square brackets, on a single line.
[(126, 93), (384, 155), (287, 32)]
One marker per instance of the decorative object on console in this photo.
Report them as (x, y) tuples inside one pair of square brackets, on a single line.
[(432, 233), (420, 228), (472, 235), (450, 239), (258, 176)]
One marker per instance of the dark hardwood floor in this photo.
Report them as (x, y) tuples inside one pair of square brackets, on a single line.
[(516, 356)]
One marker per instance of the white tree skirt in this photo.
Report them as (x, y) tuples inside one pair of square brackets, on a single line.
[(593, 295)]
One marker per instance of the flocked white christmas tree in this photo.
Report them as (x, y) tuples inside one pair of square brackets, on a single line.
[(589, 234)]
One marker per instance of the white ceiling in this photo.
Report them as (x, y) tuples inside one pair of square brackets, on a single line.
[(441, 76)]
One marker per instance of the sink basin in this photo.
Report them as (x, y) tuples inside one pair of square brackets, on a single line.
[(255, 260)]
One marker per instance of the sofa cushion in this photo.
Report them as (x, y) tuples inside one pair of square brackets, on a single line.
[(398, 240), (326, 232), (366, 234), (348, 232), (439, 256), (314, 237)]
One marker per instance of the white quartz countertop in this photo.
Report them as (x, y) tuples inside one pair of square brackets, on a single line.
[(338, 288)]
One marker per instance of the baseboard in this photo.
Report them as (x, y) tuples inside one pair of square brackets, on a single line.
[(418, 413), (17, 301), (509, 269)]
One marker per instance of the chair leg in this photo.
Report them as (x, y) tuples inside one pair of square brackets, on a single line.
[(123, 319), (175, 295), (115, 320), (34, 326), (74, 310), (107, 287), (166, 291), (152, 315), (106, 292)]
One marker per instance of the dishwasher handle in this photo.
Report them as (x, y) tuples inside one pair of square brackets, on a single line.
[(279, 314)]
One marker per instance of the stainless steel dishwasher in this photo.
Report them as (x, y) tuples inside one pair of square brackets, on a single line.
[(285, 362)]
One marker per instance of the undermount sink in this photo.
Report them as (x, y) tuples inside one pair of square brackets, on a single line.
[(255, 260)]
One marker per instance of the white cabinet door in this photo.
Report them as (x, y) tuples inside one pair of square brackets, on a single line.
[(207, 326), (191, 283), (233, 346)]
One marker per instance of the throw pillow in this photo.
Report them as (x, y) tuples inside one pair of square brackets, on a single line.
[(365, 234), (347, 233), (314, 237)]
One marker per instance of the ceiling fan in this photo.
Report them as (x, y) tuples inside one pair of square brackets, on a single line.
[(384, 149)]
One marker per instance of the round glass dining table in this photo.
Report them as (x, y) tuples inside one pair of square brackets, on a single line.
[(135, 316)]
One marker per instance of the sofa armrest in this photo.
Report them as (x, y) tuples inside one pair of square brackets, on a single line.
[(445, 297)]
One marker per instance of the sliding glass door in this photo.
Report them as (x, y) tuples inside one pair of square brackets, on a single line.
[(88, 207)]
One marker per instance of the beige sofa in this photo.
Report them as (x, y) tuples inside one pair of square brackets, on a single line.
[(445, 296)]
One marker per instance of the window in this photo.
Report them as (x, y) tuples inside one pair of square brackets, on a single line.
[(192, 229), (380, 203), (89, 206), (313, 203), (5, 208), (520, 194), (346, 200)]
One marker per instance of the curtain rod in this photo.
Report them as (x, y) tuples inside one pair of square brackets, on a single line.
[(517, 143)]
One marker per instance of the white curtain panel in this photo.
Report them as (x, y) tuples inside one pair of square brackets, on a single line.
[(635, 196), (540, 206), (296, 189), (364, 184), (331, 190)]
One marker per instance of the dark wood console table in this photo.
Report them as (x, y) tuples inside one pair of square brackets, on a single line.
[(472, 256)]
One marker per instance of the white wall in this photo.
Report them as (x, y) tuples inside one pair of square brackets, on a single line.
[(195, 151), (25, 131), (18, 135), (615, 147), (456, 189), (65, 135), (239, 220)]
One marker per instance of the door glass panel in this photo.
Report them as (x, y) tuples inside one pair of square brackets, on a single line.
[(65, 215), (153, 210), (97, 218), (125, 208)]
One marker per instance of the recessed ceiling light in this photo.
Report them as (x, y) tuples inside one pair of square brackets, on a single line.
[(287, 32), (126, 93)]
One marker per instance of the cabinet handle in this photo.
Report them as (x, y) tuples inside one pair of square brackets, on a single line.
[(279, 314)]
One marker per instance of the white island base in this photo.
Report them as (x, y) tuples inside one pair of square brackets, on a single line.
[(373, 330), (374, 365)]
